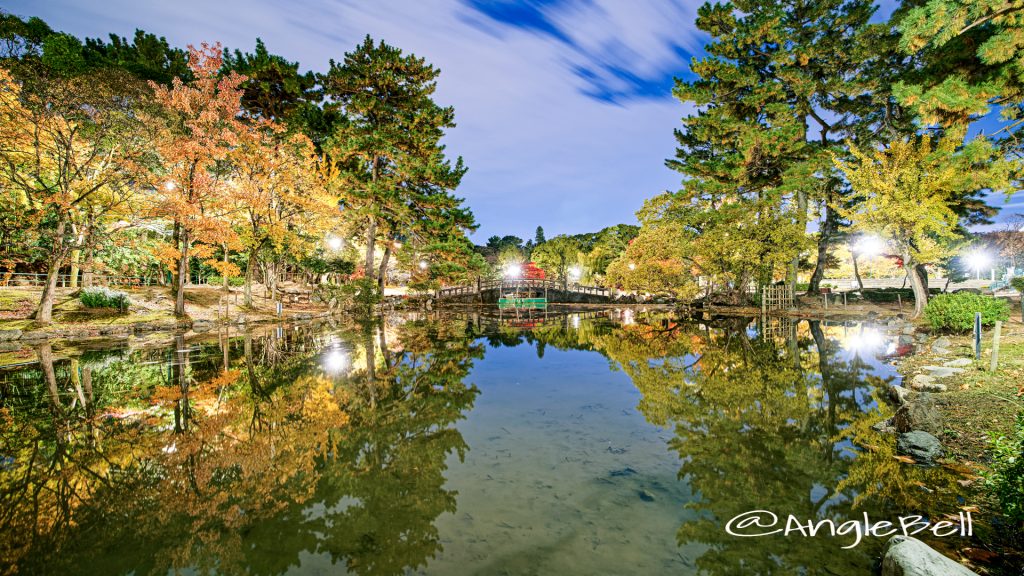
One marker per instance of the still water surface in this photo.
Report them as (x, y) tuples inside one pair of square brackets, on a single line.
[(612, 443)]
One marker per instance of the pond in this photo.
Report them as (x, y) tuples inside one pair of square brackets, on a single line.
[(612, 442)]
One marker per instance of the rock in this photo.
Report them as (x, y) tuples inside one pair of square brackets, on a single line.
[(35, 335), (908, 329), (6, 335), (941, 371), (920, 381), (920, 446), (920, 414), (645, 495), (897, 395), (906, 556), (202, 326), (942, 342), (905, 340), (959, 363), (884, 427)]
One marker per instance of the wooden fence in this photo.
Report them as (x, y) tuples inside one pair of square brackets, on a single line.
[(776, 298)]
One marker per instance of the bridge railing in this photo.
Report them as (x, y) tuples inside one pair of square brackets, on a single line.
[(450, 291)]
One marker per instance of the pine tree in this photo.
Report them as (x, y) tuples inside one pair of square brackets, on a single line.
[(782, 88), (393, 172), (538, 238)]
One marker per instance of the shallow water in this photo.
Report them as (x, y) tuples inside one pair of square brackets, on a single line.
[(612, 443)]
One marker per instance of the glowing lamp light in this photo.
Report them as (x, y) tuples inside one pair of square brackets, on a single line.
[(513, 271), (169, 185), (575, 272), (334, 243), (423, 265), (335, 362), (869, 246), (978, 260)]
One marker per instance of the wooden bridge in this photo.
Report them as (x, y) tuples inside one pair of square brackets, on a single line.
[(489, 291)]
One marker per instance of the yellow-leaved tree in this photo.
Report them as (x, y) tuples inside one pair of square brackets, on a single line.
[(72, 151), (906, 192)]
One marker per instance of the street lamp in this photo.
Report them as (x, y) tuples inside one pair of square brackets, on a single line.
[(868, 246), (575, 273), (334, 243), (978, 260), (513, 270)]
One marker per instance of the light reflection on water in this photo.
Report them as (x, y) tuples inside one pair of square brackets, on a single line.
[(586, 443)]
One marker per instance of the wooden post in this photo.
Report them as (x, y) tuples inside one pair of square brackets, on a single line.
[(764, 300), (995, 347), (900, 300), (977, 335)]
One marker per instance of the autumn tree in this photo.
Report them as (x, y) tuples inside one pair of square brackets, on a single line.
[(197, 129), (280, 195), (907, 193), (558, 256), (72, 151), (392, 163)]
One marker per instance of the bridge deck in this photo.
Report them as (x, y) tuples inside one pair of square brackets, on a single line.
[(504, 286)]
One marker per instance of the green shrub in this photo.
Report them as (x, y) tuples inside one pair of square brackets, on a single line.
[(1018, 284), (104, 298), (955, 312), (1005, 478), (235, 281), (361, 294)]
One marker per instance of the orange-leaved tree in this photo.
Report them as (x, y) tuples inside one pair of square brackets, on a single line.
[(283, 202), (198, 128)]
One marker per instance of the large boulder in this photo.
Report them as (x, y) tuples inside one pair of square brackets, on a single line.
[(918, 414), (919, 445), (906, 556)]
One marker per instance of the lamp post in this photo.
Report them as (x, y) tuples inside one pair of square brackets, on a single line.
[(866, 247), (977, 260)]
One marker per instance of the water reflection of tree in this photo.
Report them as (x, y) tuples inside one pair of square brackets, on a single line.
[(757, 426), (383, 486), (218, 468)]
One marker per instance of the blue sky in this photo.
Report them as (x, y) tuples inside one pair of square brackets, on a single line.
[(564, 110)]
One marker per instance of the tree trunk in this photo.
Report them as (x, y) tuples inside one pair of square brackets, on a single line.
[(371, 232), (176, 242), (856, 272), (382, 277), (801, 218), (44, 312), (87, 273), (922, 273), (225, 272), (179, 296), (249, 265), (917, 283), (825, 235)]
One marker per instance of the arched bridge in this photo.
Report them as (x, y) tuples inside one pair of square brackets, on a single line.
[(489, 291)]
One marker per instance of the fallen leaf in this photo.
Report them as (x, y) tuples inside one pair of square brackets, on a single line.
[(979, 554), (905, 459)]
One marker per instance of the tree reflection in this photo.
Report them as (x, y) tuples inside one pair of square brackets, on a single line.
[(761, 425), (234, 463)]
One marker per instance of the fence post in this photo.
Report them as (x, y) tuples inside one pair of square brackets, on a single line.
[(995, 347), (977, 335)]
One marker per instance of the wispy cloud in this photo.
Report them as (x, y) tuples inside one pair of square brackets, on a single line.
[(563, 110)]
